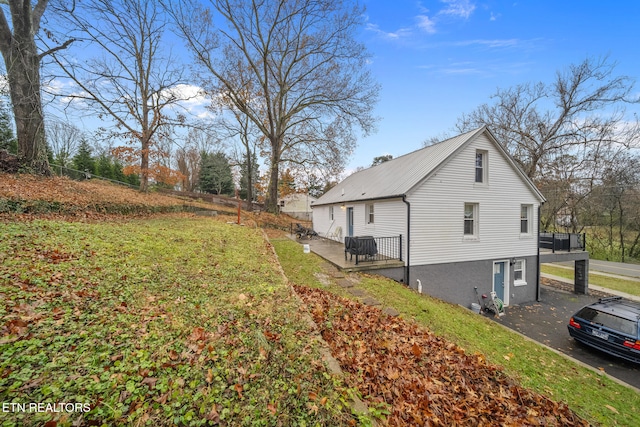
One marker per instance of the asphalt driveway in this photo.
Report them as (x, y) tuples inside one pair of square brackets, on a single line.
[(546, 322)]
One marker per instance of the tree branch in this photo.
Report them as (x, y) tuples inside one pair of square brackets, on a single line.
[(36, 15), (57, 48)]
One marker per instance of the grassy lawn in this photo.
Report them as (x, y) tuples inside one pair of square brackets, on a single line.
[(155, 322), (627, 286), (592, 396)]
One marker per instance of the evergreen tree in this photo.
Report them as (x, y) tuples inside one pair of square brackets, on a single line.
[(84, 161), (133, 179), (49, 153), (104, 167), (215, 174), (118, 173), (7, 139)]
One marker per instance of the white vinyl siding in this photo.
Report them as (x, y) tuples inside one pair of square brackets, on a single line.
[(322, 222), (437, 203), (390, 220)]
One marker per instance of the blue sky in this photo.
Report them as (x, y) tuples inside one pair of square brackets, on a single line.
[(438, 59)]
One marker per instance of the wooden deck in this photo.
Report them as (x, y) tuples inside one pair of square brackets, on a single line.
[(333, 252)]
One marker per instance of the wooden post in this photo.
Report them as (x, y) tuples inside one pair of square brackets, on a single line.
[(238, 197)]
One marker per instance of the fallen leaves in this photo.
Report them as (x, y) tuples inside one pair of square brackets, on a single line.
[(427, 380)]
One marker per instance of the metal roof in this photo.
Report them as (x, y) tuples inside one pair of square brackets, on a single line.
[(396, 177)]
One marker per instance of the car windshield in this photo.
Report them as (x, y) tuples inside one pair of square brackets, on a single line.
[(626, 326)]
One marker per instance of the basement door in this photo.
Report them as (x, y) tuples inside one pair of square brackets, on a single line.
[(500, 283)]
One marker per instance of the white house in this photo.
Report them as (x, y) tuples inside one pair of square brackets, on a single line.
[(297, 205), (467, 214)]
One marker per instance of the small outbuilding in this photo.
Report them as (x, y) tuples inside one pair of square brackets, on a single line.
[(297, 205)]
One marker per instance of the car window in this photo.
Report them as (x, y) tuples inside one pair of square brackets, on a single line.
[(616, 323)]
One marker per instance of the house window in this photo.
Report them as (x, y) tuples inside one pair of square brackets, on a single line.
[(369, 213), (525, 219), (470, 219), (481, 166), (330, 213), (519, 272)]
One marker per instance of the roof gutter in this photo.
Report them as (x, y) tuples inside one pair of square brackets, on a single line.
[(406, 268)]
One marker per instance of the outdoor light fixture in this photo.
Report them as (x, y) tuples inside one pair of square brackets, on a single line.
[(512, 261)]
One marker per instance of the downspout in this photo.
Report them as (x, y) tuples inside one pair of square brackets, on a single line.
[(538, 270), (406, 268)]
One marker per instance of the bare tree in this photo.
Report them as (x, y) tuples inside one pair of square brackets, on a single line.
[(564, 124), (293, 67), (63, 139), (237, 127), (564, 133), (614, 209), (22, 60), (135, 81)]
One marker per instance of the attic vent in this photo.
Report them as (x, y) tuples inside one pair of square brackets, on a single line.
[(364, 192), (343, 192)]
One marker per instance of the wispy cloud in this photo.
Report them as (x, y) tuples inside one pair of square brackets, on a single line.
[(426, 24), (481, 68), (427, 21), (458, 8), (490, 43), (391, 35)]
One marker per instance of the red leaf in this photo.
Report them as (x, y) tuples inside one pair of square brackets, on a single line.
[(415, 349), (272, 408), (198, 334), (238, 388)]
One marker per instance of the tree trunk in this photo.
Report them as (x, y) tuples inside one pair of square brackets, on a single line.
[(249, 180), (23, 73), (621, 229), (271, 202), (144, 164)]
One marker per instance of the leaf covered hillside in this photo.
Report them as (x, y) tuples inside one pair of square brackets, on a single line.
[(32, 194), (155, 322)]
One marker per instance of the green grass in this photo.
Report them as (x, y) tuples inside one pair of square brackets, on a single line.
[(592, 396), (628, 286), (156, 322)]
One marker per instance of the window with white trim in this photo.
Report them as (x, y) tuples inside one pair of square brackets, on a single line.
[(481, 166), (519, 272), (330, 213), (470, 219), (525, 218), (369, 213)]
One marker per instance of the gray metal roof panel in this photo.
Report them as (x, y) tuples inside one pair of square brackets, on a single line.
[(395, 177)]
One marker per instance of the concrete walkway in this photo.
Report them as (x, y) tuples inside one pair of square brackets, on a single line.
[(349, 281)]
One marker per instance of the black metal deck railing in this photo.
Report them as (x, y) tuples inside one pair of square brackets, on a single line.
[(563, 241), (369, 248)]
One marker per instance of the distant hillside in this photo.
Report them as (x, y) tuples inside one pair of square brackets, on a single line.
[(30, 194)]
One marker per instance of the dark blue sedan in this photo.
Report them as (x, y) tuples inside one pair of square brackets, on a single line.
[(610, 325)]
